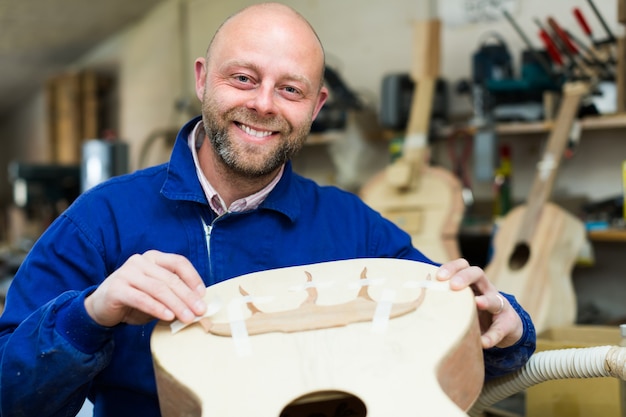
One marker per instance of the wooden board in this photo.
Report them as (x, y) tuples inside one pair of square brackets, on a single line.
[(89, 81), (426, 361), (620, 74), (66, 134), (73, 113), (621, 11)]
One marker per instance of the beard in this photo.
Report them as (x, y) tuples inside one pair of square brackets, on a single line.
[(249, 160)]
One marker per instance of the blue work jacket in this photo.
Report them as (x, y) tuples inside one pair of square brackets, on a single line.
[(53, 355)]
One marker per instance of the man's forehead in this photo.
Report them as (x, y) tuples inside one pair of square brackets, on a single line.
[(280, 35), (265, 17)]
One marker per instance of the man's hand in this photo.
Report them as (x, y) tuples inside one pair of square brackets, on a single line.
[(153, 285), (500, 324)]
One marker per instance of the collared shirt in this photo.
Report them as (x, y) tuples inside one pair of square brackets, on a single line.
[(215, 200)]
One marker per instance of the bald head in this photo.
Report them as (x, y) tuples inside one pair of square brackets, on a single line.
[(261, 86), (263, 20)]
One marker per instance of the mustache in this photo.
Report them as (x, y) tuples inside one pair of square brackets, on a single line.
[(253, 119)]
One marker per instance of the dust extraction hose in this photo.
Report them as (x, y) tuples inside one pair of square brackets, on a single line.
[(592, 362)]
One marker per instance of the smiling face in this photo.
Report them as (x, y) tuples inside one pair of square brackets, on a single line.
[(261, 87)]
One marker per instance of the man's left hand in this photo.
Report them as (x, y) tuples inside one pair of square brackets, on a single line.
[(500, 325)]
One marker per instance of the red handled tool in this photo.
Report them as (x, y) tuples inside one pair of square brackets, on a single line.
[(556, 50), (582, 21), (562, 35), (580, 18), (611, 38), (551, 47), (570, 48), (586, 61)]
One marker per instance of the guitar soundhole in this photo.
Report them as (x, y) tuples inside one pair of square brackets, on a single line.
[(326, 404), (519, 257)]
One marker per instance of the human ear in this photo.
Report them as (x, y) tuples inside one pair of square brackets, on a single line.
[(201, 73), (321, 99)]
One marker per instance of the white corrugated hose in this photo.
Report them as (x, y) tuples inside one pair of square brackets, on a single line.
[(592, 362)]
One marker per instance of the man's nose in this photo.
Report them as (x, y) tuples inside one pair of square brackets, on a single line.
[(263, 100)]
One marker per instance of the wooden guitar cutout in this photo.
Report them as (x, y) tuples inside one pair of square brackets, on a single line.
[(424, 200), (537, 244), (360, 337)]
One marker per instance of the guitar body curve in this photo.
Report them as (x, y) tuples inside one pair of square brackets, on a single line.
[(431, 212), (542, 284), (425, 361)]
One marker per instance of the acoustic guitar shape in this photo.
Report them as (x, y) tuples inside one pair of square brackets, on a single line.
[(537, 244), (424, 200), (360, 337), (431, 211)]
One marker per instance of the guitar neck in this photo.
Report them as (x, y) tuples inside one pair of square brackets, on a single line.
[(405, 173), (416, 141), (548, 165), (425, 71)]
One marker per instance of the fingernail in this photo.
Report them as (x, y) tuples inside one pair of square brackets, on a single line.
[(187, 315), (443, 273), (200, 289), (168, 314), (200, 306), (456, 281)]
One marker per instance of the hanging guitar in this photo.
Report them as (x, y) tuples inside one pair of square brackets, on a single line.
[(537, 244), (375, 337), (424, 200)]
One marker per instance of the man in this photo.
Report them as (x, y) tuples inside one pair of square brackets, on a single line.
[(144, 246)]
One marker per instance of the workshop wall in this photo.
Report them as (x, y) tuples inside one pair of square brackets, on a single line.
[(376, 40), (155, 71)]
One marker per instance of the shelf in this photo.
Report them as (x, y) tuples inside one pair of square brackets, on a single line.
[(602, 122), (608, 235), (324, 137), (611, 121)]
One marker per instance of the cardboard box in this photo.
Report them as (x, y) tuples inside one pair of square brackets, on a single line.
[(576, 397)]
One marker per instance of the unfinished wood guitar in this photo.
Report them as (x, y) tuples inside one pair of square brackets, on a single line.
[(537, 244), (361, 337), (424, 200)]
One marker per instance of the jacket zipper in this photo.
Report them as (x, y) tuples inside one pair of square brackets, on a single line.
[(207, 236), (208, 227)]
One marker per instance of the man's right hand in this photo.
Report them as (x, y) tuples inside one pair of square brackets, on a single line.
[(152, 285)]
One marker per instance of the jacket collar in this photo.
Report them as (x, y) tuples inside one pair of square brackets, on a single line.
[(181, 182)]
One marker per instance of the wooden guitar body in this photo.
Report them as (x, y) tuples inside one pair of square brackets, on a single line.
[(423, 200), (361, 337), (431, 212), (538, 272)]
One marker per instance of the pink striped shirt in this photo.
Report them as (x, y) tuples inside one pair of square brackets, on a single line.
[(215, 201)]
